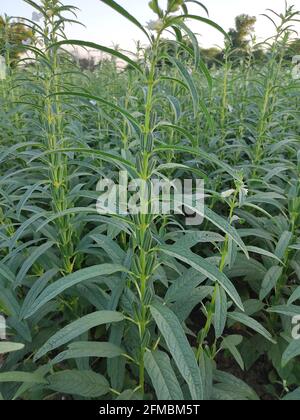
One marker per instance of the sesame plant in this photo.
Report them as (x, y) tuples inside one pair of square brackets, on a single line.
[(144, 306)]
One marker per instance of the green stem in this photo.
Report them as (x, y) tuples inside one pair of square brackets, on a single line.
[(209, 320), (145, 253)]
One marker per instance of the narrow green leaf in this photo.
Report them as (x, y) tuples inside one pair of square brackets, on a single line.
[(264, 252), (229, 387), (189, 81), (199, 4), (230, 343), (293, 396), (83, 349), (201, 154), (36, 6), (194, 41), (110, 105), (31, 260), (206, 365), (111, 247), (7, 347), (208, 22), (71, 280), (220, 316), (125, 14), (251, 323), (129, 395), (179, 347), (225, 227), (42, 371), (35, 291), (162, 376), (22, 377), (6, 274), (9, 302), (292, 351), (204, 267), (86, 384), (76, 328), (184, 285), (283, 244), (288, 310), (270, 281), (222, 224), (98, 47), (295, 296)]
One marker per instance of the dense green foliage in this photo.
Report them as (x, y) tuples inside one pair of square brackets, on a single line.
[(143, 306)]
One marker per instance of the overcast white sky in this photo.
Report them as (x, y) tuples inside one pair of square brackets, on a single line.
[(105, 26)]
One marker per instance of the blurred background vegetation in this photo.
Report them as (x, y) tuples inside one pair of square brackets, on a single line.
[(16, 37)]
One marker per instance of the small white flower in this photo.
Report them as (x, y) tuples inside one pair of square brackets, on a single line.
[(230, 108), (26, 42), (151, 25), (36, 17), (243, 194), (155, 25), (94, 103), (235, 219), (245, 191), (228, 193)]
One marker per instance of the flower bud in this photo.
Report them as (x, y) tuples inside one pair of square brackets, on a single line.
[(228, 193), (155, 25), (153, 4), (174, 5), (49, 13)]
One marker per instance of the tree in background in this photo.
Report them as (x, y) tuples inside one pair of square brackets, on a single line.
[(86, 63), (14, 36), (242, 40), (212, 56), (244, 28)]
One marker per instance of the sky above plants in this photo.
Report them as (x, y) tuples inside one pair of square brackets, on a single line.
[(104, 26)]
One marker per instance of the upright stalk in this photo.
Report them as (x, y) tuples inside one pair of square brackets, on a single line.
[(224, 255), (53, 120), (145, 256)]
